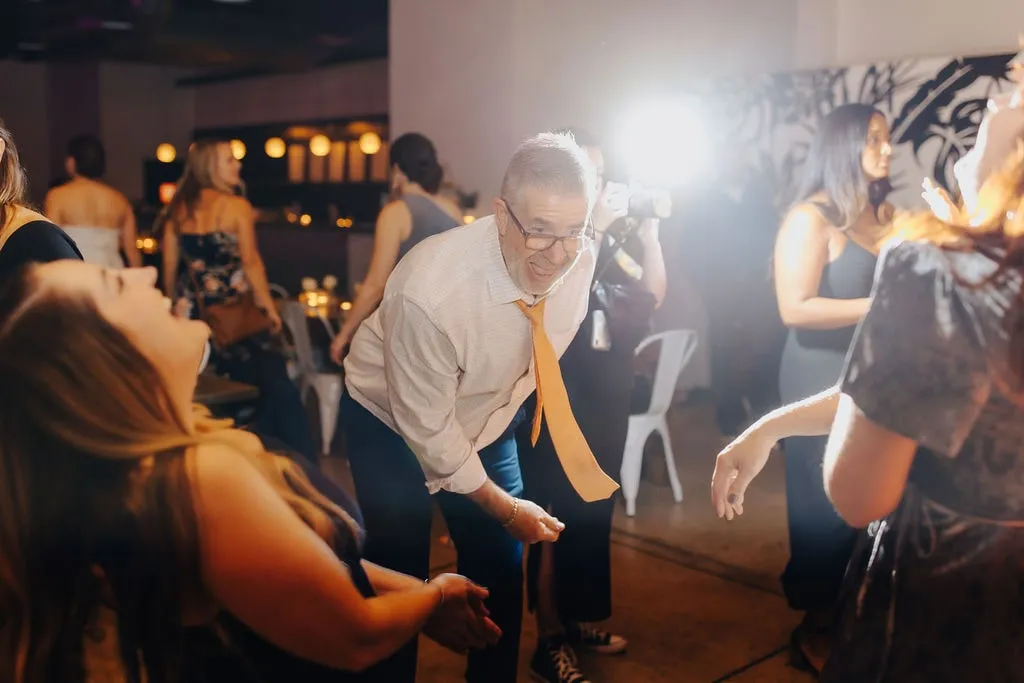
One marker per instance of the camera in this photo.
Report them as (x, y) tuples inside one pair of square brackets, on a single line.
[(647, 202), (641, 202)]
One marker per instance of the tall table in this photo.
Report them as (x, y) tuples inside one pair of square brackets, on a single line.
[(213, 390)]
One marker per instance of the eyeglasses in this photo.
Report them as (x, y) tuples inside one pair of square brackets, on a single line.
[(573, 244)]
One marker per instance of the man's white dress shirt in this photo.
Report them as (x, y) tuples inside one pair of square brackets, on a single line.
[(446, 360)]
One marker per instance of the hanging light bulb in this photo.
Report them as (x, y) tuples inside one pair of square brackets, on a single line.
[(166, 153), (320, 145), (275, 148), (237, 149), (369, 143)]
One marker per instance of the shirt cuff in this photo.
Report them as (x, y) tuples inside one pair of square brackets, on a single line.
[(467, 479)]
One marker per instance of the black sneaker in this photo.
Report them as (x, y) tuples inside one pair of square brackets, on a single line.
[(595, 639), (555, 662)]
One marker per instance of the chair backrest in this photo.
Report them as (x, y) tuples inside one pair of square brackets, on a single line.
[(278, 292), (677, 347), (293, 315)]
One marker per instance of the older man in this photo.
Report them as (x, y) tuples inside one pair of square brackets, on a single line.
[(472, 320)]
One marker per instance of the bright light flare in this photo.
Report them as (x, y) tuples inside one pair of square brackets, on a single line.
[(665, 143)]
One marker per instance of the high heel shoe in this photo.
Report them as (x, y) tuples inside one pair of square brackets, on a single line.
[(799, 658)]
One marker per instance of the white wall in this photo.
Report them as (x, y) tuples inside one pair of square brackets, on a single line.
[(23, 108), (842, 32), (477, 77), (140, 107)]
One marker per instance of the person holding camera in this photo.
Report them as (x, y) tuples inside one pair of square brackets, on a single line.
[(569, 580)]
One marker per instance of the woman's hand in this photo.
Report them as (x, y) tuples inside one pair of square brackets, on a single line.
[(736, 467), (182, 308), (275, 319), (611, 205), (461, 621), (338, 344), (939, 202), (647, 231)]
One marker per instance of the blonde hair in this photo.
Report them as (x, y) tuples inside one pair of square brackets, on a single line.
[(13, 182), (200, 173), (94, 463)]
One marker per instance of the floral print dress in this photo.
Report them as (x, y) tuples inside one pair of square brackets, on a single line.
[(210, 270)]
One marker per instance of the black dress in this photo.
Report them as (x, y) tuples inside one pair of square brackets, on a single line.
[(35, 242), (249, 658), (935, 592), (820, 542)]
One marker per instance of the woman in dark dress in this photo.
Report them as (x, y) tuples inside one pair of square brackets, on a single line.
[(25, 235), (128, 517), (926, 450), (825, 256), (210, 257)]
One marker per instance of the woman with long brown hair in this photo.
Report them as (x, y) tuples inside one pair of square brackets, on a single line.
[(210, 257), (825, 255), (925, 450), (26, 235), (128, 518)]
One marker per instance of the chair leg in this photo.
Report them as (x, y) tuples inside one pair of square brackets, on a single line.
[(670, 462), (329, 399), (632, 463)]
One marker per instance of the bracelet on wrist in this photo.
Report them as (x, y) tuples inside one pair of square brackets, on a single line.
[(439, 588), (512, 515)]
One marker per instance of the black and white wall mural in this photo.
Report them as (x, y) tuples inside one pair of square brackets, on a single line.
[(934, 107)]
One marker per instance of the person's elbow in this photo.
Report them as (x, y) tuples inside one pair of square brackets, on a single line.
[(793, 313), (858, 508)]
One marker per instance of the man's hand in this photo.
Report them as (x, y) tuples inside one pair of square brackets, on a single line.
[(533, 525), (529, 523)]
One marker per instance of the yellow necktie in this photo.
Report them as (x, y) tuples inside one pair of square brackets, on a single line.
[(574, 454)]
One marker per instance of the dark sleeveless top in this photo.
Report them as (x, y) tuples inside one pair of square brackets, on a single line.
[(428, 219), (35, 242), (813, 359)]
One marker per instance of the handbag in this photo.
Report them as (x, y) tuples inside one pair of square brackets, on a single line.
[(629, 309), (234, 320), (627, 305)]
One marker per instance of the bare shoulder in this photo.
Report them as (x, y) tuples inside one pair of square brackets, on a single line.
[(806, 222), (450, 206), (56, 193), (395, 209), (240, 205), (219, 467)]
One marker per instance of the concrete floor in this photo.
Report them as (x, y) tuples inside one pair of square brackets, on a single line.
[(697, 598)]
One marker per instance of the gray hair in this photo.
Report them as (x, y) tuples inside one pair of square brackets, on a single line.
[(550, 161)]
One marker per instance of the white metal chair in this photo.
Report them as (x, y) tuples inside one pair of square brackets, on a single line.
[(677, 347), (326, 385)]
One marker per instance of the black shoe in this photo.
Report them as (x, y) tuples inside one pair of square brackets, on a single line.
[(602, 642), (555, 662)]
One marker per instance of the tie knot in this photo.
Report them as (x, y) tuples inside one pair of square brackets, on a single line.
[(535, 313)]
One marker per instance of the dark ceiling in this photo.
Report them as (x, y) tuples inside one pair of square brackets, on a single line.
[(220, 37)]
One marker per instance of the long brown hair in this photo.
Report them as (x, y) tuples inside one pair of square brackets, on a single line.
[(199, 174), (13, 182), (95, 498)]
